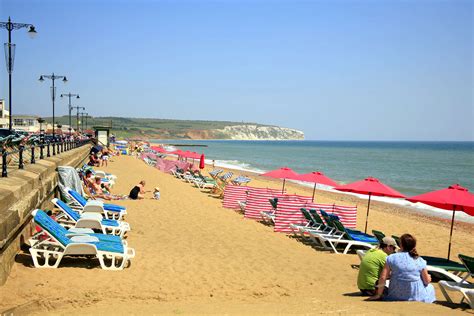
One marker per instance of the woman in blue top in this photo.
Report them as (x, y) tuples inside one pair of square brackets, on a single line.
[(409, 279)]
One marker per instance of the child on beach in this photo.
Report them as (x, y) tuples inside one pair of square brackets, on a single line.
[(156, 193)]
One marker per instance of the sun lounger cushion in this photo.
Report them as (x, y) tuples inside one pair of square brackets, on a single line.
[(107, 207), (75, 216), (61, 233)]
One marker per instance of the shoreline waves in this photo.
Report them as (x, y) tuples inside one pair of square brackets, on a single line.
[(248, 167)]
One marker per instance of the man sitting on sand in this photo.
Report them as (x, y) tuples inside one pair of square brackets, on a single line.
[(372, 265)]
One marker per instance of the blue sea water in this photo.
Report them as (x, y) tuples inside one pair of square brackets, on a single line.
[(409, 167)]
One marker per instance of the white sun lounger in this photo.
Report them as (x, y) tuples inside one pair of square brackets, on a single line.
[(111, 255), (72, 218)]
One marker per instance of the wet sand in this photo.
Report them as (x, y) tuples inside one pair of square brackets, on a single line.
[(195, 257)]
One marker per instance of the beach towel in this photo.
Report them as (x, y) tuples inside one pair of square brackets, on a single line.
[(68, 177)]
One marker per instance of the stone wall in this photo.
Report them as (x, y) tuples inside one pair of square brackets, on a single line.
[(22, 192)]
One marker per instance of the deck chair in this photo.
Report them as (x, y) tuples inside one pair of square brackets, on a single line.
[(351, 238), (240, 180), (109, 211), (225, 178), (310, 223), (111, 255), (214, 173), (378, 234), (465, 288), (322, 229), (72, 218)]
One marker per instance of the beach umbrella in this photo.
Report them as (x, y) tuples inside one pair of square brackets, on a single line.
[(453, 198), (370, 186), (201, 162), (316, 177), (281, 173), (159, 149)]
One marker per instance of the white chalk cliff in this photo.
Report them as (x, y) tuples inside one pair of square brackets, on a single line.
[(256, 132)]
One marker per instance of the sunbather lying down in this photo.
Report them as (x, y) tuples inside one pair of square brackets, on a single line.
[(96, 191)]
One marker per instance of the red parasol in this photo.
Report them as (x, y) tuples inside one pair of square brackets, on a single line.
[(159, 149), (370, 186), (201, 162), (282, 173), (316, 177), (455, 198)]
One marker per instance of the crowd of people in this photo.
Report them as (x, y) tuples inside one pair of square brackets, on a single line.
[(96, 187)]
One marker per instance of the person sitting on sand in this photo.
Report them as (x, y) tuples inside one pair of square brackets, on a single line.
[(98, 190), (409, 278), (138, 191), (88, 179), (93, 160), (156, 193), (372, 265)]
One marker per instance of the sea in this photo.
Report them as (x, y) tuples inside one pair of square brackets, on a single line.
[(411, 168)]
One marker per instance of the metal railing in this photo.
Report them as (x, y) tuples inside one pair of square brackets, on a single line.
[(29, 154)]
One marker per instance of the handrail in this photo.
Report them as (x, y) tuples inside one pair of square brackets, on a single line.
[(57, 147)]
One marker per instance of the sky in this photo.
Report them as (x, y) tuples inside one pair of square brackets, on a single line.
[(337, 70)]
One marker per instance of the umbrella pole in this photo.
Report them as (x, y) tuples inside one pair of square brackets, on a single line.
[(283, 189), (314, 189), (451, 233), (367, 217)]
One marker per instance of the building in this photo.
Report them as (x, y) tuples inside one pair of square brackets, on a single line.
[(4, 114), (26, 123)]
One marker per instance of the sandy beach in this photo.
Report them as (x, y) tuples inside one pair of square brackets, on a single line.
[(196, 257)]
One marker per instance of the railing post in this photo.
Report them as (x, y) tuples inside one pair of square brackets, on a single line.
[(20, 164), (54, 147), (41, 151), (47, 152), (33, 154), (4, 163)]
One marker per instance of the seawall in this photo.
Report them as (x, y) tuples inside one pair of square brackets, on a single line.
[(23, 191)]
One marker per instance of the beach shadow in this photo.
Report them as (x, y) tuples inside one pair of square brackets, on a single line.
[(355, 294), (85, 262), (23, 309), (455, 306), (265, 223)]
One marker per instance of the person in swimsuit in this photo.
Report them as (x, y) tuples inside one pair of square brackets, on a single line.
[(138, 191)]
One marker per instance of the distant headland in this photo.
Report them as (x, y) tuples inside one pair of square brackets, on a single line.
[(152, 128)]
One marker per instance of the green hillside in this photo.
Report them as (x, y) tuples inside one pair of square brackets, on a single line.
[(157, 128)]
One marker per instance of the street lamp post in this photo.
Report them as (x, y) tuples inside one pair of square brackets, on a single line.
[(82, 121), (53, 77), (70, 95), (10, 56), (87, 115), (77, 115)]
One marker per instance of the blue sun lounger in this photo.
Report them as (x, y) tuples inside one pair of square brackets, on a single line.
[(112, 255), (71, 218), (110, 211)]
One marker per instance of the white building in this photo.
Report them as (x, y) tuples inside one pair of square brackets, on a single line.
[(27, 123), (4, 114)]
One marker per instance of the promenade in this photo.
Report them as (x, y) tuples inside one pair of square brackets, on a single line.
[(195, 257)]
